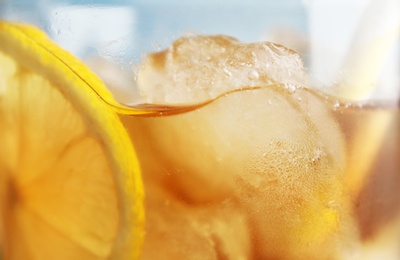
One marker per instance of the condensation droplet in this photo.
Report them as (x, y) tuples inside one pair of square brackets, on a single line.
[(227, 73)]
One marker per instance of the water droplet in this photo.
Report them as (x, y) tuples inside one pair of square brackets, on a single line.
[(336, 105), (332, 204), (253, 75), (135, 70), (157, 46), (290, 87)]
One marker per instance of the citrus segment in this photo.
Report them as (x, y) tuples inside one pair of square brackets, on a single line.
[(70, 177)]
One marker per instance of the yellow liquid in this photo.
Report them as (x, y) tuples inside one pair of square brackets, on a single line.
[(377, 201)]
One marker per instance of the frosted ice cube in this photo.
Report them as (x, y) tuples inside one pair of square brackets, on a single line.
[(199, 68)]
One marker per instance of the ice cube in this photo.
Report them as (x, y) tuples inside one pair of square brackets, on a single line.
[(199, 68), (293, 176), (183, 154)]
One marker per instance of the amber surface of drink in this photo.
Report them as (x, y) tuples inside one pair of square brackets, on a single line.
[(268, 174)]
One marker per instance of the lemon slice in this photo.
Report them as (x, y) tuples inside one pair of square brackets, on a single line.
[(69, 177)]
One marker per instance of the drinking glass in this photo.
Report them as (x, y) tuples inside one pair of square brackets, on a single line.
[(277, 170)]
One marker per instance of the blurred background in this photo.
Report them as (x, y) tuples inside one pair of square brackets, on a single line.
[(334, 37)]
